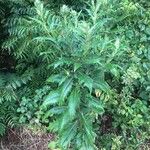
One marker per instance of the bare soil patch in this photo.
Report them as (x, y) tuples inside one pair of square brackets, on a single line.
[(25, 139)]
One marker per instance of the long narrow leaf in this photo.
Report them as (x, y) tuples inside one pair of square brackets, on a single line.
[(74, 102)]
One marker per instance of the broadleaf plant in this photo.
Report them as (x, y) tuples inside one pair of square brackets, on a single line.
[(79, 70)]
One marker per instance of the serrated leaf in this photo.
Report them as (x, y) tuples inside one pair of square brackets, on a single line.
[(86, 80), (58, 78), (96, 105), (68, 134), (102, 85), (64, 120), (61, 62), (66, 88), (114, 69), (92, 60), (88, 130), (52, 98), (74, 102), (57, 110)]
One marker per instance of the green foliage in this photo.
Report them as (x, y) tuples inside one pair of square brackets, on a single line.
[(89, 68), (28, 108), (9, 83)]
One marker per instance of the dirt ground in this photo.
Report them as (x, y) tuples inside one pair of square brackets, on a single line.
[(25, 139)]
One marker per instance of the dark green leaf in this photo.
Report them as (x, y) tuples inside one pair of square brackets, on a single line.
[(66, 88), (86, 80), (74, 101), (52, 98), (58, 78)]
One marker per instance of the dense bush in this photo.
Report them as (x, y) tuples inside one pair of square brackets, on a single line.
[(87, 68)]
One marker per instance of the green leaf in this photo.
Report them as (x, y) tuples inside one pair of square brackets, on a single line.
[(77, 66), (86, 80), (102, 85), (92, 60), (58, 110), (58, 78), (52, 98), (68, 134), (66, 88), (65, 119), (96, 105), (88, 130), (18, 83), (74, 102), (99, 81), (57, 64), (52, 145), (114, 69), (62, 61), (2, 129)]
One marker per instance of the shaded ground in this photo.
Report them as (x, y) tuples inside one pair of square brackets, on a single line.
[(25, 139)]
